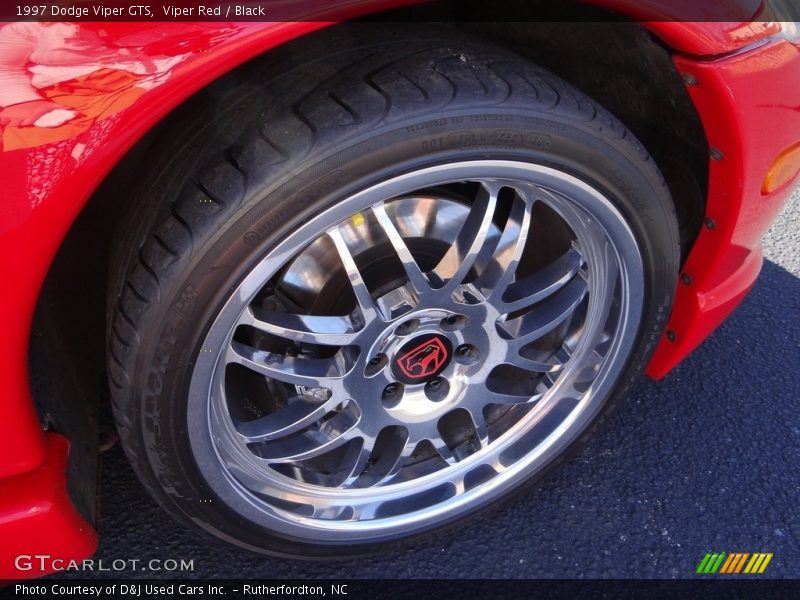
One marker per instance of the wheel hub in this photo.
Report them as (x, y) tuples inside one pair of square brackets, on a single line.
[(422, 358), (426, 360)]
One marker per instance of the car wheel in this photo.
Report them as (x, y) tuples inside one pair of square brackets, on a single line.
[(377, 281)]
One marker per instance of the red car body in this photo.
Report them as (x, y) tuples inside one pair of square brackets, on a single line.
[(743, 78)]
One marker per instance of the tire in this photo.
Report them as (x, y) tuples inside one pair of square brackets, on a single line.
[(265, 184)]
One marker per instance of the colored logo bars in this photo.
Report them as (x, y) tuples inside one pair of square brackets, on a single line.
[(734, 563)]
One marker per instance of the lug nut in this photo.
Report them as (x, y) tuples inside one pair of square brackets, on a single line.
[(453, 322), (392, 393), (437, 389), (466, 354), (375, 365), (407, 327)]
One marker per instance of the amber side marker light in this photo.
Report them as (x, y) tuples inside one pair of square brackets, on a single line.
[(785, 167)]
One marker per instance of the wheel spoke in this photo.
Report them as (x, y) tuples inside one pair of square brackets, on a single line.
[(481, 430), (443, 450), (501, 269), (471, 240), (402, 459), (363, 297), (489, 397), (537, 366), (295, 417), (303, 448), (546, 282), (311, 372), (387, 453), (415, 276), (333, 433), (547, 316), (322, 330), (363, 453)]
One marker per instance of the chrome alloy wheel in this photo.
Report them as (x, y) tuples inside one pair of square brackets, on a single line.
[(414, 352)]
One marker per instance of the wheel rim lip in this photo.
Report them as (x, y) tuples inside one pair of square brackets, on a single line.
[(200, 405)]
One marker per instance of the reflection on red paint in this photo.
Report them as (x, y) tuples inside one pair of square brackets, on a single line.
[(58, 79)]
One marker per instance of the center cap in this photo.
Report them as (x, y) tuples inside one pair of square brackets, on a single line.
[(422, 358)]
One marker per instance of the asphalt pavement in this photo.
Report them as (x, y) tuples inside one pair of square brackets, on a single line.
[(706, 460)]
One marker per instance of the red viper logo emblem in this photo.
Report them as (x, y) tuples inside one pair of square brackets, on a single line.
[(423, 360)]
